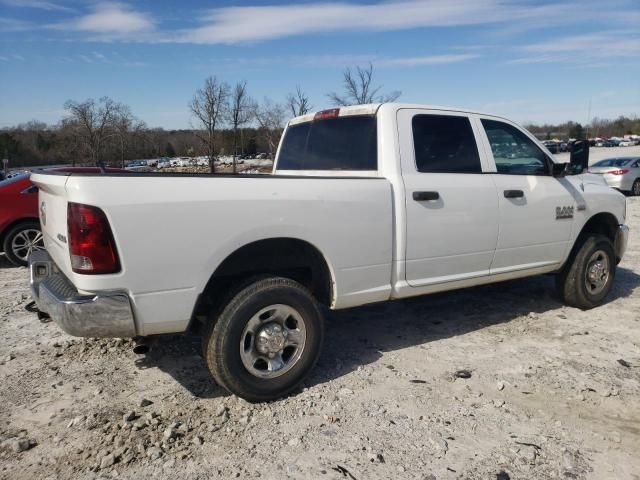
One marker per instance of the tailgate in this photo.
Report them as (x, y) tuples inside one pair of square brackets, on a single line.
[(52, 207)]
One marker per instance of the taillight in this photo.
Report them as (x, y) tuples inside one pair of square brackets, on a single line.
[(326, 114), (621, 171), (91, 245)]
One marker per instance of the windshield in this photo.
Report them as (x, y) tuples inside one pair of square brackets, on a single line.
[(612, 162), (343, 143), (17, 178)]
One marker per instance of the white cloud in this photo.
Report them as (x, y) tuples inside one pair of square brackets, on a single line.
[(587, 48), (42, 5), (98, 58), (255, 23), (341, 60), (242, 24), (426, 60), (14, 25), (111, 20)]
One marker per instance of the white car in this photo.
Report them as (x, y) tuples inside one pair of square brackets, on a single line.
[(366, 204), (621, 173), (164, 163), (626, 143)]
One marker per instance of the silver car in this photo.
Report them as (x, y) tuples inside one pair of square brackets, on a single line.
[(622, 173)]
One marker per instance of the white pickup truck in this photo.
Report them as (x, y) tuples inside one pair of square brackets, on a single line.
[(365, 204)]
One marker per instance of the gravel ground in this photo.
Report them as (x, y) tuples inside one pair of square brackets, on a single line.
[(496, 382)]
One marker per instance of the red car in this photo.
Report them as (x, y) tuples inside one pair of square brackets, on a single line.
[(19, 224), (19, 220)]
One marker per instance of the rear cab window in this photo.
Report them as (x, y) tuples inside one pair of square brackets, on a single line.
[(444, 144), (346, 143)]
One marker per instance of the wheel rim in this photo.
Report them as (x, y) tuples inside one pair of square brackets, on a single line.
[(597, 273), (25, 242), (273, 341), (636, 187)]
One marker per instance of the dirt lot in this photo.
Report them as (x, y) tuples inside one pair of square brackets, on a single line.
[(553, 392)]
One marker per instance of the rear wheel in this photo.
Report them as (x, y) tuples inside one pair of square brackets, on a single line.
[(21, 240), (266, 340), (635, 189), (588, 276)]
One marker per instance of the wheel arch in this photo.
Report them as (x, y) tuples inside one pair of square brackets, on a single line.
[(602, 223), (288, 257)]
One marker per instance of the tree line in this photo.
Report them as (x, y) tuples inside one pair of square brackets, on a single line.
[(598, 127), (226, 120)]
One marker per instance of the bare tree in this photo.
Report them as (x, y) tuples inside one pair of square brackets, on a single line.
[(93, 122), (127, 127), (240, 113), (209, 105), (271, 118), (299, 103), (358, 89)]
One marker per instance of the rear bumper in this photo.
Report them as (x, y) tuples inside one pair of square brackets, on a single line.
[(622, 237), (103, 314)]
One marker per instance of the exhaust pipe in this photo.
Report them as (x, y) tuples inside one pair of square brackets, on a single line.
[(141, 346)]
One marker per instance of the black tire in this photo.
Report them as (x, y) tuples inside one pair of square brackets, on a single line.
[(635, 189), (17, 257), (223, 338), (572, 283)]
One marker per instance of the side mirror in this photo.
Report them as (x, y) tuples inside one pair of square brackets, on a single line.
[(560, 169), (579, 157)]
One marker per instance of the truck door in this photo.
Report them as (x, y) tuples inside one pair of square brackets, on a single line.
[(536, 209), (451, 204)]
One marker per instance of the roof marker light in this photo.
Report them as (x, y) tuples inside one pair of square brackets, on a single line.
[(327, 114)]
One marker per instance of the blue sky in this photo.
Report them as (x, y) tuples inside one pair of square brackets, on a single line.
[(540, 61)]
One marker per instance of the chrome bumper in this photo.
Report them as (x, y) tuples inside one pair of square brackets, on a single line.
[(104, 314), (622, 237)]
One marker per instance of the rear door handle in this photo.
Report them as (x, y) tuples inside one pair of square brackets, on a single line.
[(425, 196), (513, 194)]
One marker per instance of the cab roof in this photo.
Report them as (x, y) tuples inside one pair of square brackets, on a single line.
[(372, 109)]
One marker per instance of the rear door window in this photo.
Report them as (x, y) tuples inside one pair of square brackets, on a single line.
[(445, 144), (343, 143)]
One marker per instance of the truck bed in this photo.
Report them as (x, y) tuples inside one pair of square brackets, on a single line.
[(173, 230)]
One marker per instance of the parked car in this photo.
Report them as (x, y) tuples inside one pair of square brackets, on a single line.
[(136, 163), (622, 173), (19, 216), (553, 147), (626, 143), (19, 225), (611, 143), (164, 163), (367, 203)]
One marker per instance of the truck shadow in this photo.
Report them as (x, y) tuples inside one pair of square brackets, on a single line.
[(361, 335), (5, 263)]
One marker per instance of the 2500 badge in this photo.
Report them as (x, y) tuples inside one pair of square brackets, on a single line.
[(564, 212)]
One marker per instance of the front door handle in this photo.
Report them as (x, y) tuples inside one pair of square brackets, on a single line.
[(513, 194), (425, 196)]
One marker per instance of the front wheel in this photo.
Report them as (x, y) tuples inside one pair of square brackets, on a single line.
[(21, 240), (588, 276), (266, 340)]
